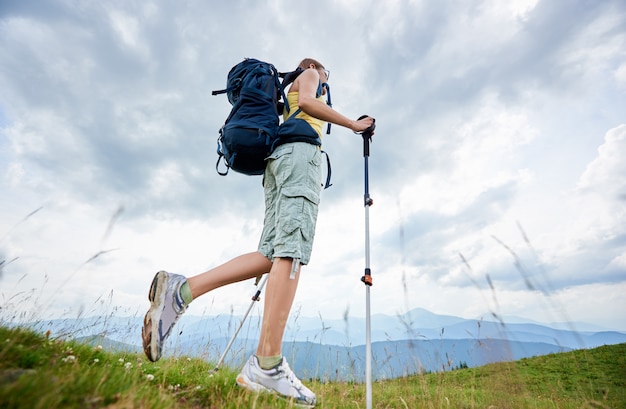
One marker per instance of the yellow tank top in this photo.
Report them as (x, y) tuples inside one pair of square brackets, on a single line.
[(316, 124)]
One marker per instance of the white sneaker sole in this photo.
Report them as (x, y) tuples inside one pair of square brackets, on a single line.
[(150, 330)]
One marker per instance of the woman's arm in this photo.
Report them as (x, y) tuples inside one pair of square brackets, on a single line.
[(306, 85)]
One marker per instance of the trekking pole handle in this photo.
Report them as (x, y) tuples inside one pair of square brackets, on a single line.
[(367, 133)]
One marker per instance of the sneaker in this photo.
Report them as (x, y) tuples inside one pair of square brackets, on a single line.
[(166, 306), (279, 379)]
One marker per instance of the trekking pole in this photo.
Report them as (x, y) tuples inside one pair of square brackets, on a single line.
[(367, 277), (255, 298)]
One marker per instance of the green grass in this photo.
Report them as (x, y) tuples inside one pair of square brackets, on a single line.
[(39, 372)]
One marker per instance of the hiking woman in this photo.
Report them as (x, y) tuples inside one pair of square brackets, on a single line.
[(292, 184)]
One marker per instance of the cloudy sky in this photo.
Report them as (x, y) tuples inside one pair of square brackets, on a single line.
[(497, 170)]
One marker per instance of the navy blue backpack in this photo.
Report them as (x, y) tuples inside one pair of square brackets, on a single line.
[(252, 129), (250, 132)]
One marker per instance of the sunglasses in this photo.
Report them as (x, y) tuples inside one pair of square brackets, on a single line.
[(327, 73)]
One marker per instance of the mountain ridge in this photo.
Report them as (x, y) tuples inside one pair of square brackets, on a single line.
[(334, 349)]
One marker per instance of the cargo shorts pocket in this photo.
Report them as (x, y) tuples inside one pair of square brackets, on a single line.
[(300, 206), (279, 165)]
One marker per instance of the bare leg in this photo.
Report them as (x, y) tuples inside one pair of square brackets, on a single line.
[(279, 295), (238, 269)]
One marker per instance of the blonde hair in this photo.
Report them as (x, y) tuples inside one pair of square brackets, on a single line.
[(308, 61)]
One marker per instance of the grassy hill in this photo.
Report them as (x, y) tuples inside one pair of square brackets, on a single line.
[(39, 372)]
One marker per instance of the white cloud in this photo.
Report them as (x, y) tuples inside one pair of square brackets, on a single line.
[(605, 174)]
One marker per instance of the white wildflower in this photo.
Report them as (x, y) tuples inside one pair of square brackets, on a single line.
[(128, 365), (150, 377), (69, 358)]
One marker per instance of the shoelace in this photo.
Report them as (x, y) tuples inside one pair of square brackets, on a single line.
[(291, 377)]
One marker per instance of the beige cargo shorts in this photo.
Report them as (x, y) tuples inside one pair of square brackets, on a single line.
[(292, 185)]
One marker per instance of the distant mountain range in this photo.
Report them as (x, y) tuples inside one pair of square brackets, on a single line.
[(334, 349)]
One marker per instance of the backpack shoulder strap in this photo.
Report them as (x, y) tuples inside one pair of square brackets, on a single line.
[(328, 102), (289, 77)]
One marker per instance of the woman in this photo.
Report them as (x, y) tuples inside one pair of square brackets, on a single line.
[(292, 185)]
